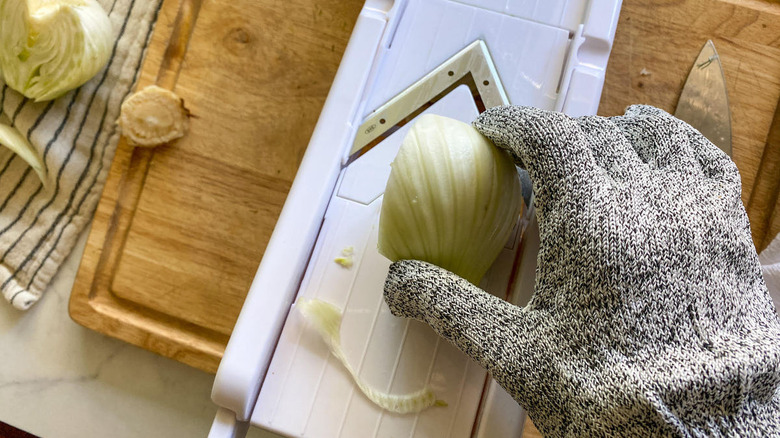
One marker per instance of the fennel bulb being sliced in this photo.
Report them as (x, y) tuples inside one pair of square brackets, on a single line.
[(49, 47), (326, 319), (452, 198)]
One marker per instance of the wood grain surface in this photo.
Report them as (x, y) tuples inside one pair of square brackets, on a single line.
[(763, 199), (180, 230)]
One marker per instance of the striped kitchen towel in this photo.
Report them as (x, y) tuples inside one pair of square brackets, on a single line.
[(76, 135)]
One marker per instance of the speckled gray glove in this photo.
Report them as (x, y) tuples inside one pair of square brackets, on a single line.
[(650, 316)]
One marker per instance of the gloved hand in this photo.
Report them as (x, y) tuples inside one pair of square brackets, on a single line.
[(650, 315)]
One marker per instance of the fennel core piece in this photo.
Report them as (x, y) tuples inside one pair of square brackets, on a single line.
[(153, 116), (346, 259)]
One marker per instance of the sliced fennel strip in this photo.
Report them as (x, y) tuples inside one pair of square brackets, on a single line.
[(11, 138), (326, 320)]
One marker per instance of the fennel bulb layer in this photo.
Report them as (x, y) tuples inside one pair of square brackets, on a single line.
[(452, 198)]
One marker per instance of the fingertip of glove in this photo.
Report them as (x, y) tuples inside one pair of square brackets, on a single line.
[(415, 276), (504, 126), (406, 276), (645, 120), (490, 123), (510, 126), (403, 273), (401, 268), (401, 284), (501, 118), (643, 109)]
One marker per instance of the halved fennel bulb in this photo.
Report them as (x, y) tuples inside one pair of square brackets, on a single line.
[(452, 198), (49, 47)]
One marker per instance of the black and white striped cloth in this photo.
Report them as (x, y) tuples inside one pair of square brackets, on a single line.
[(77, 135)]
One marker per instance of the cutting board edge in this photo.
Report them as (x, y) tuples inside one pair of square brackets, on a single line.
[(176, 19)]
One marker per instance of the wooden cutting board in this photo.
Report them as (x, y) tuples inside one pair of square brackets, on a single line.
[(180, 230)]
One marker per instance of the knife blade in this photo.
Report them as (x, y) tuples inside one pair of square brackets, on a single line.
[(704, 101)]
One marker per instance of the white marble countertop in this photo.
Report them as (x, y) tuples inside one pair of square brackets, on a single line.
[(59, 379)]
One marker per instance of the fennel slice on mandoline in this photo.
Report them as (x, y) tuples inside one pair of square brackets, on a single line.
[(49, 47), (326, 319), (452, 198)]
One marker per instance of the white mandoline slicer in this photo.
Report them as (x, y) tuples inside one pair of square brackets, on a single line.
[(405, 58)]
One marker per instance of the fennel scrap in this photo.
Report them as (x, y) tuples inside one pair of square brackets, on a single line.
[(346, 259)]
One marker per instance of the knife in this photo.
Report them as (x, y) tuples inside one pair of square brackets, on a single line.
[(704, 105), (704, 101)]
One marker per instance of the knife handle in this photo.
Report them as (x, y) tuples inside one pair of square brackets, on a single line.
[(762, 206)]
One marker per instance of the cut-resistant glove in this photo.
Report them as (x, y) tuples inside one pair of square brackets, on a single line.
[(649, 315)]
